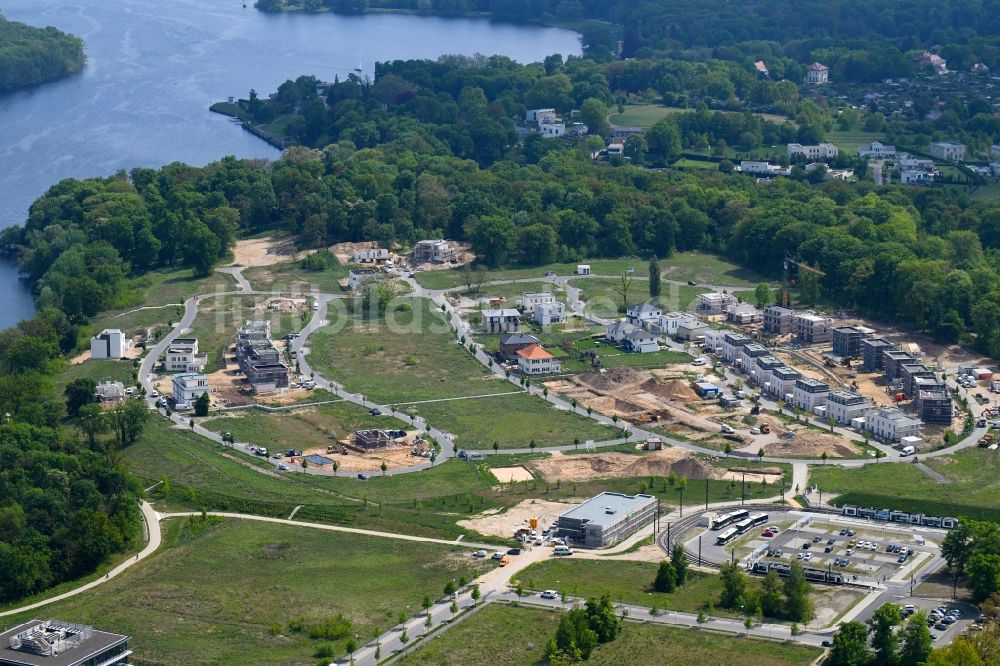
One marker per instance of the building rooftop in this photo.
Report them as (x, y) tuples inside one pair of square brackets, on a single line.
[(607, 508), (813, 383), (506, 312), (846, 397), (534, 352), (641, 308), (519, 339), (54, 643), (896, 415), (812, 318), (786, 373)]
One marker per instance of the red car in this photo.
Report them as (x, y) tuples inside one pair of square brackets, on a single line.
[(767, 533)]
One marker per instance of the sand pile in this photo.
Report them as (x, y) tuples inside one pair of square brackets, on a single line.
[(613, 378), (673, 389), (811, 445), (583, 467)]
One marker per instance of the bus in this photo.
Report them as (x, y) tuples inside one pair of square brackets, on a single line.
[(727, 536), (727, 518), (752, 521)]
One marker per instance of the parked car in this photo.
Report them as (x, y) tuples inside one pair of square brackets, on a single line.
[(282, 467), (514, 551), (562, 550), (699, 361), (550, 594), (498, 556), (692, 283), (479, 553), (362, 477), (375, 411), (727, 429), (755, 430)]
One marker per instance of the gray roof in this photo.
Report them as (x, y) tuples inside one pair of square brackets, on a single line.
[(639, 334), (519, 339), (640, 308), (595, 510), (97, 642)]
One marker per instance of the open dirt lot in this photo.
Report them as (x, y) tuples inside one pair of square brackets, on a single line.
[(811, 444), (584, 467), (516, 517), (265, 251), (397, 455), (510, 474)]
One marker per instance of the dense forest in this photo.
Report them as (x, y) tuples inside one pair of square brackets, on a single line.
[(859, 40), (30, 56)]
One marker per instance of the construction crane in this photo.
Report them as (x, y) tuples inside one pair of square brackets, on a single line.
[(790, 273)]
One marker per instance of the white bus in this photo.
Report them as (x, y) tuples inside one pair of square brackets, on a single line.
[(727, 536)]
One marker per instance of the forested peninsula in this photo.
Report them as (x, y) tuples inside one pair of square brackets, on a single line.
[(30, 56)]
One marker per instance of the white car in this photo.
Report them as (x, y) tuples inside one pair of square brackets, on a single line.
[(550, 594), (807, 557), (479, 553), (755, 430), (154, 394), (699, 361)]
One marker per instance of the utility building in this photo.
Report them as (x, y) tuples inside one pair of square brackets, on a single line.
[(57, 643), (605, 519)]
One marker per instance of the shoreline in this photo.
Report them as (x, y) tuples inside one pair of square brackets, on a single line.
[(220, 108)]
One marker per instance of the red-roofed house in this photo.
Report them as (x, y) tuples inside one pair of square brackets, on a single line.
[(534, 360), (818, 73)]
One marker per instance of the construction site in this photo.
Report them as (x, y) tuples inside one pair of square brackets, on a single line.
[(366, 450)]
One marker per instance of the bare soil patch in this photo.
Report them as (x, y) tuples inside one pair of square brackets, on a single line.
[(266, 251), (585, 467), (399, 454), (517, 517), (811, 444), (510, 474)]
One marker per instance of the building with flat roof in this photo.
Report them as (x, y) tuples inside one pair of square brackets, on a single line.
[(507, 320), (732, 345), (182, 356), (58, 643), (891, 424), (713, 302), (782, 383), (188, 387), (778, 320), (530, 299), (934, 406), (434, 251), (546, 314), (357, 278), (812, 329), (951, 151), (893, 361), (844, 406), (743, 314), (810, 393), (873, 354), (605, 519), (109, 343), (847, 341)]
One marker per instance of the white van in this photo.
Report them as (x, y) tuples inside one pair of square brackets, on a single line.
[(907, 451), (562, 550)]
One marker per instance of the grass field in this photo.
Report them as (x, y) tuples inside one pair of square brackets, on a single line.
[(710, 269), (411, 356), (301, 428), (973, 492), (512, 420), (513, 291), (456, 277), (647, 115), (685, 163), (226, 592), (849, 140), (290, 276), (96, 370), (602, 298), (989, 192), (516, 636)]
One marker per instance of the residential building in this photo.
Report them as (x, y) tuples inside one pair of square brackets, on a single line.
[(668, 323), (912, 373), (530, 299), (583, 269), (892, 361), (182, 356), (266, 377), (743, 314), (934, 406), (535, 360), (809, 394), (847, 341), (371, 439), (615, 332), (642, 314), (58, 643), (259, 352), (812, 329), (844, 406), (782, 384), (372, 255), (506, 320), (540, 116), (259, 329), (553, 130), (109, 391), (908, 162), (873, 354), (876, 149), (713, 339), (933, 60), (357, 278), (817, 73), (188, 387), (606, 519), (762, 367), (547, 314), (822, 151), (732, 345), (778, 320), (761, 69), (891, 424), (510, 344), (713, 302), (756, 167), (625, 132), (109, 343), (615, 149), (693, 331), (951, 151), (640, 341), (747, 356), (436, 251)]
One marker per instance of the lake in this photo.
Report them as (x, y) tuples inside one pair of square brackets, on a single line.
[(154, 68)]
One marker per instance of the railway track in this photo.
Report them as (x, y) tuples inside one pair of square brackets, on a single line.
[(676, 531)]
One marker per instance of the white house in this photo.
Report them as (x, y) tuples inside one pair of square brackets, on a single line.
[(822, 151), (357, 278), (782, 382), (371, 255), (817, 73), (616, 149), (844, 406), (433, 251), (891, 424), (530, 299), (109, 343), (540, 115), (714, 303), (109, 391), (182, 356), (507, 320), (756, 166), (743, 314), (550, 313), (876, 149), (640, 341), (693, 330), (915, 177), (668, 323), (642, 314), (535, 360), (552, 130), (810, 393), (188, 387), (951, 151), (616, 332), (583, 269)]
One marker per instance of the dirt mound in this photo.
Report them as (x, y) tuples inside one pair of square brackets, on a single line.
[(583, 467), (811, 445), (673, 389), (613, 378)]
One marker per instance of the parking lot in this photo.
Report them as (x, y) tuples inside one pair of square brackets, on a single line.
[(945, 620), (865, 553)]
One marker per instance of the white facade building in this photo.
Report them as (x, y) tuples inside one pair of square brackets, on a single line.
[(891, 424), (843, 406), (713, 302), (109, 343), (951, 151), (822, 151), (534, 360), (817, 73), (188, 387), (540, 115), (358, 278), (809, 394), (643, 314), (876, 149), (182, 356), (547, 314), (530, 299)]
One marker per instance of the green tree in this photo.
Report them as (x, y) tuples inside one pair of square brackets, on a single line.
[(666, 577), (602, 619), (850, 645), (763, 295), (679, 559), (809, 287), (127, 420), (984, 575), (79, 392), (574, 635), (202, 404), (771, 602), (664, 141), (799, 606), (734, 585), (884, 641), (93, 422), (655, 280), (958, 545), (594, 114), (916, 639)]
